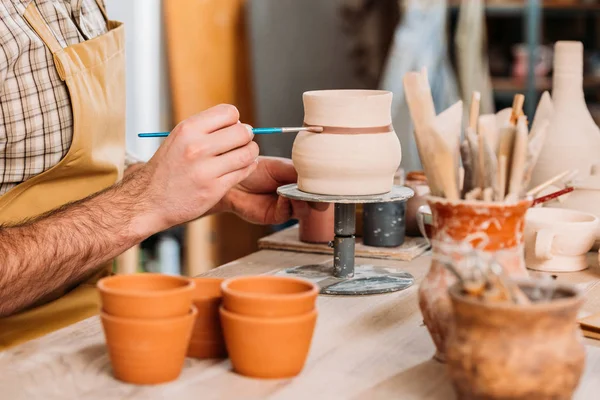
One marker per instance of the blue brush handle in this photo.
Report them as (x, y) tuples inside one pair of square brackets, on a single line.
[(256, 131)]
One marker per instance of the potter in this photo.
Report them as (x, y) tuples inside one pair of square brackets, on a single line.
[(558, 240), (358, 152)]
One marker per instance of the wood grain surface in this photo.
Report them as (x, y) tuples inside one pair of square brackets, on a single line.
[(372, 347)]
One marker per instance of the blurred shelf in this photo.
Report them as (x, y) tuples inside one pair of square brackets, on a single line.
[(513, 85), (510, 8)]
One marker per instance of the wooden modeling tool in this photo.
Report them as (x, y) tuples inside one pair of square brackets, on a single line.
[(517, 108), (519, 158), (256, 131), (447, 126), (467, 162), (548, 183), (488, 127), (552, 196), (502, 164), (474, 110)]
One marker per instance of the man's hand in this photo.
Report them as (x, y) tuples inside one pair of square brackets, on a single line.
[(199, 162), (255, 199)]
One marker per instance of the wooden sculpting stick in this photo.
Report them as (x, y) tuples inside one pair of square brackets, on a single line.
[(519, 158)]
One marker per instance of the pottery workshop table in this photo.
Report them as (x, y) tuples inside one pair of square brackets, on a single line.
[(373, 347)]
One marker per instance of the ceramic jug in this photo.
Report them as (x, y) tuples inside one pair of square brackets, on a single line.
[(357, 153), (573, 140)]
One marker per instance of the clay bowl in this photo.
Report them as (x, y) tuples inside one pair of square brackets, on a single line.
[(146, 295), (207, 335), (269, 348), (269, 296), (147, 351), (508, 351)]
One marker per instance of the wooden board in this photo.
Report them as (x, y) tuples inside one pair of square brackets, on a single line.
[(370, 347), (287, 239)]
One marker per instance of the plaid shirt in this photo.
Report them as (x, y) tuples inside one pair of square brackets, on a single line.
[(36, 121)]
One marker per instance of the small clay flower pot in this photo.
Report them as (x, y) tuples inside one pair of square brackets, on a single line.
[(317, 226), (269, 348), (207, 335), (269, 296), (147, 351), (146, 295), (508, 351)]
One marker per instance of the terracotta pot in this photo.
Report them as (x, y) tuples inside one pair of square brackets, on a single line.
[(356, 123), (508, 351), (146, 295), (269, 296), (493, 228), (417, 181), (317, 226), (147, 351), (271, 348), (207, 336)]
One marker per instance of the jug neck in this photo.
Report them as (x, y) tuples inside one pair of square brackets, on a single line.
[(567, 80), (567, 87)]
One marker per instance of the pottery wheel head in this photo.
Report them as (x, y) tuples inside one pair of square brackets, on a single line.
[(398, 193)]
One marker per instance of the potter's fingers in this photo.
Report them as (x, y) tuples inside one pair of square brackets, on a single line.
[(211, 120), (234, 159), (227, 139), (283, 211), (318, 206)]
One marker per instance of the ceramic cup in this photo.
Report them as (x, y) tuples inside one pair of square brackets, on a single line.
[(147, 351), (270, 348), (269, 296), (146, 295), (207, 336), (557, 240), (317, 226)]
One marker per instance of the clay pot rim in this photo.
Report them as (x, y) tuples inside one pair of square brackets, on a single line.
[(269, 320), (187, 285), (541, 210), (311, 288), (554, 305), (347, 93), (193, 311), (478, 203)]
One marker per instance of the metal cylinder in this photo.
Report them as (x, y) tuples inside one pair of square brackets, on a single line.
[(344, 241), (384, 224)]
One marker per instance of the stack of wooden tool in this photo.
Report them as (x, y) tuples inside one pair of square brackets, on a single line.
[(498, 151)]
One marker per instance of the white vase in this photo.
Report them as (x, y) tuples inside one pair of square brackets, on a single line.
[(358, 152), (573, 140)]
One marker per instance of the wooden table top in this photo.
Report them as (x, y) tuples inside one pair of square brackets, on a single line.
[(372, 347)]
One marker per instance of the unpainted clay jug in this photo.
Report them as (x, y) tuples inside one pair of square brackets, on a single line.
[(573, 140), (357, 153)]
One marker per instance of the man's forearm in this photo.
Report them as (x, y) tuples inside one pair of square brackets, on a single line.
[(66, 245)]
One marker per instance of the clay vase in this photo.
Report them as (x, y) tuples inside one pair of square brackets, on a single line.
[(417, 181), (146, 295), (573, 138), (508, 351), (207, 336), (269, 348), (268, 296), (147, 351), (492, 228), (317, 226), (357, 153)]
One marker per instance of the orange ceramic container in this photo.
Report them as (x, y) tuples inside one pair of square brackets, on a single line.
[(147, 351), (269, 296), (317, 226), (207, 336), (146, 295), (270, 348)]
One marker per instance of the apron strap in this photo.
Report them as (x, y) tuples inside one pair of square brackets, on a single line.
[(39, 25), (102, 9)]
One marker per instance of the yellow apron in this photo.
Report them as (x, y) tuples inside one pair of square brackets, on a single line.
[(94, 72)]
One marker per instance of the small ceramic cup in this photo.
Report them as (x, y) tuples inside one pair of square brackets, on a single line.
[(207, 336), (557, 240), (317, 226), (146, 295), (268, 348), (269, 296), (147, 351)]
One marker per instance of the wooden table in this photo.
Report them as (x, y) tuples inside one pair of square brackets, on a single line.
[(373, 347)]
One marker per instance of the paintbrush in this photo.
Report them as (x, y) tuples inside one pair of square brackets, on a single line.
[(256, 131)]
